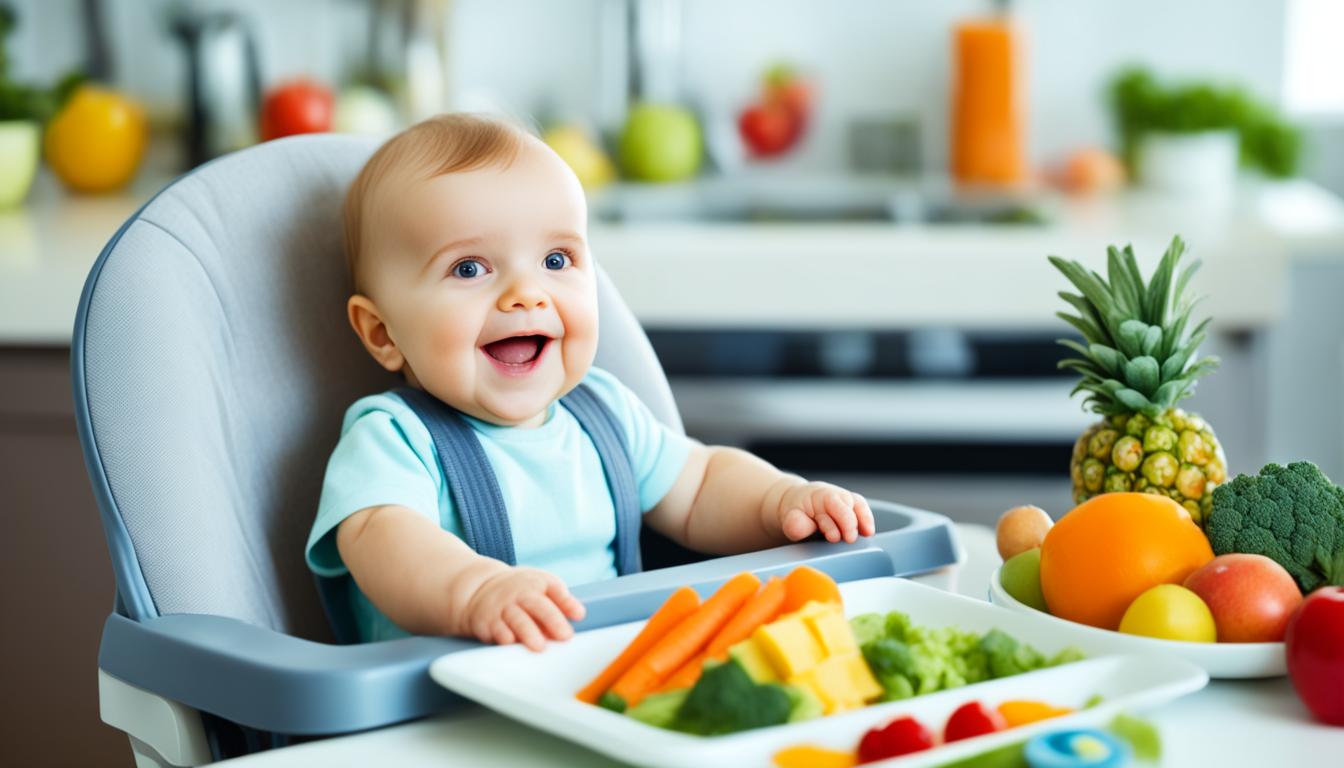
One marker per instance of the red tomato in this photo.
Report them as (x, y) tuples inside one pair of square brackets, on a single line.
[(972, 719), (768, 129), (1315, 645), (899, 737), (299, 106)]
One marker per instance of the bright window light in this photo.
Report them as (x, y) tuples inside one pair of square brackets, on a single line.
[(1314, 57)]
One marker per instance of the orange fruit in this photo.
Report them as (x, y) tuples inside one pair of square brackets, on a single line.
[(1114, 547), (95, 142)]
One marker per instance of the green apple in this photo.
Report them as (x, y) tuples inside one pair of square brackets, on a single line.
[(18, 159), (1021, 578), (660, 142)]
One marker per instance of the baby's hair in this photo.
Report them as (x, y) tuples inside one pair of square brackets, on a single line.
[(441, 144)]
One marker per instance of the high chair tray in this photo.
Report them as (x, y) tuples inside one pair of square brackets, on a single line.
[(538, 689), (275, 682)]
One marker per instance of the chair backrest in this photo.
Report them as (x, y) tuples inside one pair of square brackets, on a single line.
[(212, 364)]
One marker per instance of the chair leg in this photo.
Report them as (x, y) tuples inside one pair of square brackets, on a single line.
[(145, 755)]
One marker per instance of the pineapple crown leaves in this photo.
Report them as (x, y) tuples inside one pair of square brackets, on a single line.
[(1137, 356)]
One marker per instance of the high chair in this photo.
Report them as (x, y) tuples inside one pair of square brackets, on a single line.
[(212, 364)]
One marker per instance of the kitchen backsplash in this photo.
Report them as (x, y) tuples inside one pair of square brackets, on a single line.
[(872, 58)]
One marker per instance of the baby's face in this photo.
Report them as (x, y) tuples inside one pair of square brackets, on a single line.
[(487, 287)]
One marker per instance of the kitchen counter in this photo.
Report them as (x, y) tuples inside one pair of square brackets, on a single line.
[(813, 275)]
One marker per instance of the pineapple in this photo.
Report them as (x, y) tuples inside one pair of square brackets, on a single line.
[(1136, 365)]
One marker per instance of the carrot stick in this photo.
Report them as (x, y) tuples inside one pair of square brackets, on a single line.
[(761, 609), (674, 610), (685, 640), (687, 675)]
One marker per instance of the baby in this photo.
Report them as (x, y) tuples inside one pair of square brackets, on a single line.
[(472, 276)]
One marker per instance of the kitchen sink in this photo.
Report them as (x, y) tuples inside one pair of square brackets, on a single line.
[(797, 200)]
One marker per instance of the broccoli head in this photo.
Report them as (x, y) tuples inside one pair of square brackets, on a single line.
[(725, 700), (1293, 515)]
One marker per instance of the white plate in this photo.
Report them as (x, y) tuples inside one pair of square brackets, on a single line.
[(538, 688), (1220, 660)]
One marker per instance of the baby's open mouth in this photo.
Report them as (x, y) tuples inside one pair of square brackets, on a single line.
[(517, 350)]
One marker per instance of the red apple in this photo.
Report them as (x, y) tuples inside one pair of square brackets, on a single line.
[(1315, 644), (1251, 597)]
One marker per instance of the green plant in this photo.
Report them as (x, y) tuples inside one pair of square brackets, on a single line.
[(1142, 105), (20, 101)]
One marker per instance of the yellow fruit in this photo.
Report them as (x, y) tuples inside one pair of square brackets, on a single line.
[(95, 142), (1170, 612), (1112, 548)]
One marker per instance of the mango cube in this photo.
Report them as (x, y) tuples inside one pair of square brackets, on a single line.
[(832, 631), (748, 653), (790, 646), (840, 682)]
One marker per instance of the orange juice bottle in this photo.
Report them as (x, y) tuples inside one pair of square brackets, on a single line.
[(987, 134)]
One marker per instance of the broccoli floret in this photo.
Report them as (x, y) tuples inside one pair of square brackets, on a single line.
[(893, 665), (1293, 515), (725, 700), (659, 709)]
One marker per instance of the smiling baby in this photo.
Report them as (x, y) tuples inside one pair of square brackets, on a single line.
[(467, 244)]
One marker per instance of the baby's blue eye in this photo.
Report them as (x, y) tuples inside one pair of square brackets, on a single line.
[(557, 260), (467, 269)]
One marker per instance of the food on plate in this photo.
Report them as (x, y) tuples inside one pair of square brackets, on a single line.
[(761, 608), (674, 610), (1114, 547), (1251, 597), (1021, 712), (680, 643), (1021, 529), (1291, 514), (901, 736), (727, 700), (1021, 578), (904, 734), (972, 719), (1170, 612), (805, 584), (808, 756), (814, 649), (910, 660), (1137, 361), (1141, 735), (1315, 646)]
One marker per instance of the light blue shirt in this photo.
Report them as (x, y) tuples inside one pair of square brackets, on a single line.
[(560, 511)]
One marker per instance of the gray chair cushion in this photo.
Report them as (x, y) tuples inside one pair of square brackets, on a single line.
[(218, 363)]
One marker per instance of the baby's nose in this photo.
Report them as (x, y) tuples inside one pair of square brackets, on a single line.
[(522, 294)]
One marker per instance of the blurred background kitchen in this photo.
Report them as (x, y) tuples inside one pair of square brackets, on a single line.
[(832, 219)]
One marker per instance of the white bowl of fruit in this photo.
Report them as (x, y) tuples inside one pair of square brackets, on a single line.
[(1135, 571)]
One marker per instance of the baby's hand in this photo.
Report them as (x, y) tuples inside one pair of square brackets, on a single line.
[(808, 507), (525, 605)]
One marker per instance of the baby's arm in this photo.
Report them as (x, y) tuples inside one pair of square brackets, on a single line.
[(428, 581), (726, 500)]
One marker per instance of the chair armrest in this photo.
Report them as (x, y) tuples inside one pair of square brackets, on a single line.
[(275, 682)]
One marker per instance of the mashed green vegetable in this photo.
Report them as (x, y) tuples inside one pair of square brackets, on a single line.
[(910, 660)]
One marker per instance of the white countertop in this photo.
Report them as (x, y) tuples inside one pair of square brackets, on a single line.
[(1228, 724), (809, 275)]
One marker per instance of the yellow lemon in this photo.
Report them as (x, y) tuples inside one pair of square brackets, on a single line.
[(1170, 612)]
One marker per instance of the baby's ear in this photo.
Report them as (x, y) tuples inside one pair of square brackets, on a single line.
[(372, 331)]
